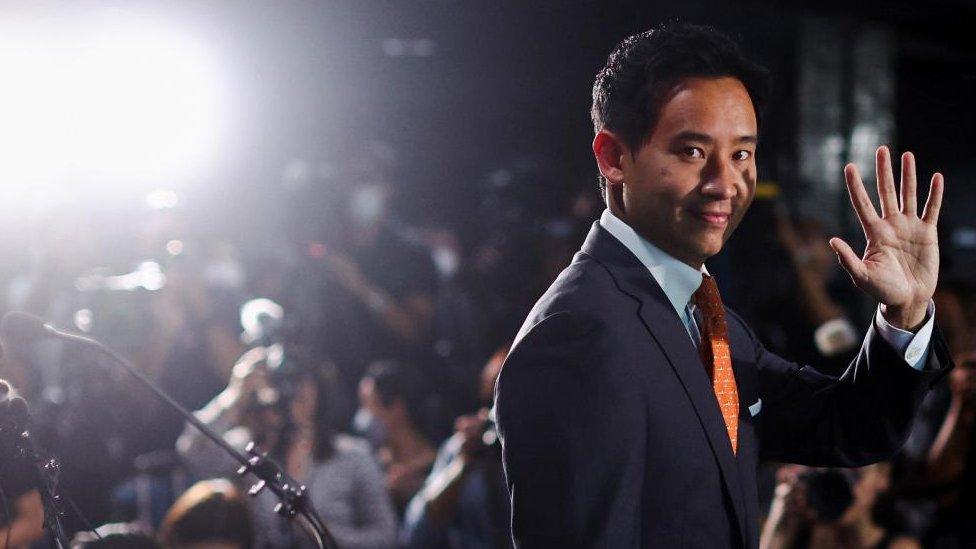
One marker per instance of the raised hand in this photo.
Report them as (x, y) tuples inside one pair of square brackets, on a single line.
[(900, 265)]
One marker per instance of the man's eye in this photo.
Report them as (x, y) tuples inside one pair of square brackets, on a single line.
[(742, 155), (694, 152)]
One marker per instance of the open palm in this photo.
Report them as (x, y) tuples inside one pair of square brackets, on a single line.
[(900, 265)]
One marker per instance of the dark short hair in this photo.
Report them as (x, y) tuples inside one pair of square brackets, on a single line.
[(629, 90), (394, 381), (209, 511)]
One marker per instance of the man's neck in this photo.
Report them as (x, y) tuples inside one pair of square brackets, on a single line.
[(678, 279), (694, 263)]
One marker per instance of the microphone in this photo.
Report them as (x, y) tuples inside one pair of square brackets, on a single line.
[(17, 328)]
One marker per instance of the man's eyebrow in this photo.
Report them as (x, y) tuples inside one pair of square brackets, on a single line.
[(705, 138), (694, 136)]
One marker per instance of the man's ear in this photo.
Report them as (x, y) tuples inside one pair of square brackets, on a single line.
[(609, 150)]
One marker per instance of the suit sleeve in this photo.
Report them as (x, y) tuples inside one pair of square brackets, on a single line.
[(572, 428), (861, 417)]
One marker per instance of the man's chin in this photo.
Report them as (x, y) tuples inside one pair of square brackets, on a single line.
[(707, 251)]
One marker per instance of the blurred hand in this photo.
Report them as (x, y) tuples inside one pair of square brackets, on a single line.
[(786, 231), (471, 429), (790, 497), (962, 380), (403, 480), (900, 266), (808, 251), (250, 374), (793, 496), (347, 272)]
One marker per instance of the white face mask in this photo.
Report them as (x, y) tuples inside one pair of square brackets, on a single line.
[(446, 261), (367, 204), (367, 426)]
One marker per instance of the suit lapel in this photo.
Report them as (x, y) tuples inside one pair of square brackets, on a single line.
[(660, 319)]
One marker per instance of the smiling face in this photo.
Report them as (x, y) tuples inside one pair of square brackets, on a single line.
[(688, 186)]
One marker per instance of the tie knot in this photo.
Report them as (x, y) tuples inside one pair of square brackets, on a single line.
[(708, 299)]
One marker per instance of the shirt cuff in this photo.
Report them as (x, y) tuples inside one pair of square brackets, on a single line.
[(914, 347)]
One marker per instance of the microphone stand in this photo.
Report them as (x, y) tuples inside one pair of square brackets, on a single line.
[(293, 497), (47, 470)]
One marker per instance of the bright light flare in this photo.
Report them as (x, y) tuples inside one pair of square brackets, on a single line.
[(114, 101), (162, 199)]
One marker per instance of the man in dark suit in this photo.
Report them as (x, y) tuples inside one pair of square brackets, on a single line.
[(633, 407)]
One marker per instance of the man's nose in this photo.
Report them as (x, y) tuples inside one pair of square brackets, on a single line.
[(719, 179)]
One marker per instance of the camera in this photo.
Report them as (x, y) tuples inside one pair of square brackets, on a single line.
[(263, 322)]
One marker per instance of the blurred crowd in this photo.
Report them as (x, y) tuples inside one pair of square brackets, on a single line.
[(359, 350)]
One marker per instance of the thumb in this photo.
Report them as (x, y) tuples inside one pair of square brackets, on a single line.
[(848, 259)]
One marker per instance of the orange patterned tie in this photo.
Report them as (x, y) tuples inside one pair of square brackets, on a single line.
[(716, 355)]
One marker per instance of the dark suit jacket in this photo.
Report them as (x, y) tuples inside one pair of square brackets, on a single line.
[(612, 436)]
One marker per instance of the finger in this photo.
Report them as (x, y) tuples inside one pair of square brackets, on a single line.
[(909, 200), (249, 361), (859, 197), (934, 202), (254, 355), (886, 182), (848, 259)]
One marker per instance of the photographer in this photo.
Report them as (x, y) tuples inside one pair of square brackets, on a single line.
[(285, 410), (464, 502), (365, 288), (392, 400), (831, 508)]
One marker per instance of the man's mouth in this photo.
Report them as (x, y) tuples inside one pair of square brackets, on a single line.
[(715, 219)]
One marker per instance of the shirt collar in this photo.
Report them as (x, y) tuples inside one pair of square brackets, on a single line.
[(678, 280)]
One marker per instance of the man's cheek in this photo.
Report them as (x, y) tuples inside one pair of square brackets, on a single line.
[(734, 222), (749, 175), (745, 201)]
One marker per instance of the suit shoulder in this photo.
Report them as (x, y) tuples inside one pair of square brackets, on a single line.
[(578, 293), (559, 328)]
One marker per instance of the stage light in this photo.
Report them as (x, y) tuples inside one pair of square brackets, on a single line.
[(162, 199), (174, 247), (110, 101)]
